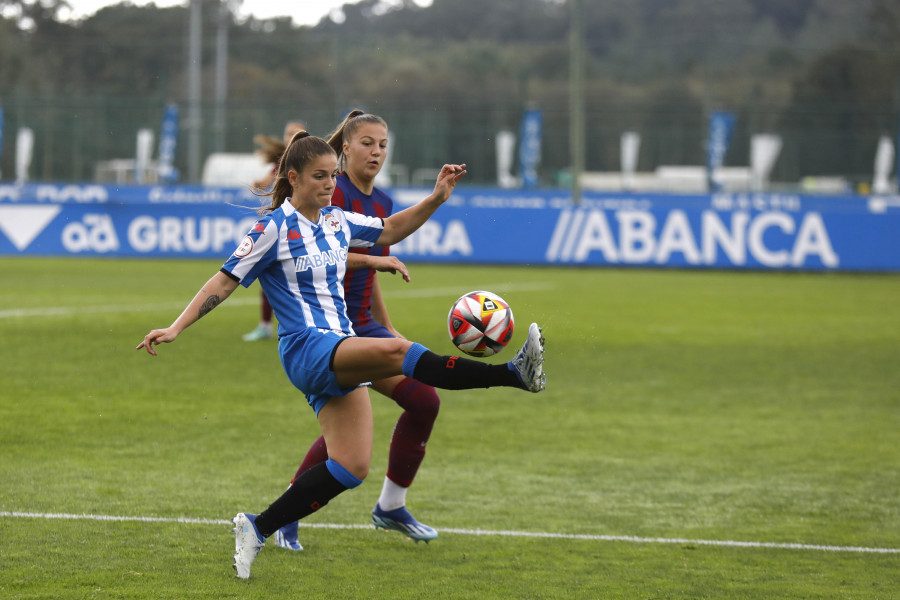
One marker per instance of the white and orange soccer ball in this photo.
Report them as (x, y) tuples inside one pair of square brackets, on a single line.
[(480, 323)]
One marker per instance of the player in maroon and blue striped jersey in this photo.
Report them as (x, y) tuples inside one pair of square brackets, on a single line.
[(361, 145), (298, 252)]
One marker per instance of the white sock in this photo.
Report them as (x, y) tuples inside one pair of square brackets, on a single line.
[(392, 496)]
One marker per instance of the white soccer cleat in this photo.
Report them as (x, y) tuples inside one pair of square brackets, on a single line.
[(529, 361), (247, 543)]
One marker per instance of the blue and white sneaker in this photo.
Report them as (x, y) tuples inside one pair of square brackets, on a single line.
[(400, 520), (247, 543), (528, 362), (287, 537), (262, 332)]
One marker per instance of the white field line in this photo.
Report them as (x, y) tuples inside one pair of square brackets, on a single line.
[(484, 532), (66, 311)]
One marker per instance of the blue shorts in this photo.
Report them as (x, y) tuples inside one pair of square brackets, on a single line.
[(307, 359), (374, 329)]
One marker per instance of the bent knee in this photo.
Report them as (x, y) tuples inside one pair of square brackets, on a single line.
[(417, 398), (351, 473), (395, 350), (360, 470)]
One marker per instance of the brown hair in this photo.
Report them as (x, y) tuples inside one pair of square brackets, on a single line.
[(270, 148), (302, 149), (345, 131)]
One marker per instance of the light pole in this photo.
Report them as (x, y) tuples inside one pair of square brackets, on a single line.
[(576, 95), (227, 8), (195, 32)]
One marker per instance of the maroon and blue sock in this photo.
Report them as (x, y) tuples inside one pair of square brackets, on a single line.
[(317, 453), (421, 404)]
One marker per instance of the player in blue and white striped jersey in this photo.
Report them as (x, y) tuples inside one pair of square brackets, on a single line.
[(298, 251), (311, 262)]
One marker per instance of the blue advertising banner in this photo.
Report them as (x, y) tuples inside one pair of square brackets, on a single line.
[(530, 147), (721, 126), (761, 231), (51, 193)]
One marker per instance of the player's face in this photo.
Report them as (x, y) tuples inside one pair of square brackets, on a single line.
[(290, 129), (366, 151), (314, 184)]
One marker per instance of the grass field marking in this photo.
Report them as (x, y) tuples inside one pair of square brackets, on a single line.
[(482, 532), (680, 541), (72, 516), (67, 311)]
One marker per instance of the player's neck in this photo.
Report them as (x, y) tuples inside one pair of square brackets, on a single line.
[(308, 209), (366, 186)]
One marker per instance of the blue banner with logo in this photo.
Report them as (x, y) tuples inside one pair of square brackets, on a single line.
[(530, 147), (765, 231), (721, 126), (168, 141)]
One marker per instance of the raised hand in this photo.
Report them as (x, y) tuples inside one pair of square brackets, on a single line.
[(446, 180)]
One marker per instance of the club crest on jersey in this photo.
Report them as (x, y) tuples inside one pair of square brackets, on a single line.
[(332, 223), (244, 248)]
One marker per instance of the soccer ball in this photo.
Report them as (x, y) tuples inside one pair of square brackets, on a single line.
[(480, 323)]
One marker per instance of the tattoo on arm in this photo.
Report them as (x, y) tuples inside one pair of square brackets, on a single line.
[(210, 303)]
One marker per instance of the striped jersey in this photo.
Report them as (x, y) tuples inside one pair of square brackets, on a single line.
[(358, 283), (301, 265)]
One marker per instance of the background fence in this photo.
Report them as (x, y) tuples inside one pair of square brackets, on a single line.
[(72, 135)]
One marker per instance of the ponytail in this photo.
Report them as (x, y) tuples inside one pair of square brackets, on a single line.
[(347, 128), (300, 151)]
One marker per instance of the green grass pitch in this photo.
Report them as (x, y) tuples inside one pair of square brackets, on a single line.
[(684, 410)]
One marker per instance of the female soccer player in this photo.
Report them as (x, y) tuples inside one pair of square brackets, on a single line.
[(298, 251), (360, 142), (270, 149)]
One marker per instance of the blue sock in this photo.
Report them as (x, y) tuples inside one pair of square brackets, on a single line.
[(337, 470), (413, 355)]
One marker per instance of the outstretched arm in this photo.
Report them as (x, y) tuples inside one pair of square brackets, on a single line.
[(385, 264), (213, 293), (399, 225), (379, 310)]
